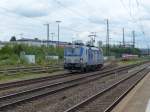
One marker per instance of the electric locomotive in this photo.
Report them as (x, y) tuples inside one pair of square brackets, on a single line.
[(83, 58)]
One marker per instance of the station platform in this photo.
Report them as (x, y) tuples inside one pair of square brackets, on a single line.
[(138, 99)]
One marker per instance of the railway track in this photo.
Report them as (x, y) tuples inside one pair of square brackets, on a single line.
[(105, 100), (31, 69), (42, 79), (5, 86), (27, 95)]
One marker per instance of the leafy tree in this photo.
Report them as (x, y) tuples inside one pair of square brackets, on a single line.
[(13, 38), (17, 49), (118, 51)]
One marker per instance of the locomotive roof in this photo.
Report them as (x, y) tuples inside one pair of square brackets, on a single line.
[(92, 47)]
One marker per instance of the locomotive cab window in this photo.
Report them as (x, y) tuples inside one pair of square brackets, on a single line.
[(77, 51)]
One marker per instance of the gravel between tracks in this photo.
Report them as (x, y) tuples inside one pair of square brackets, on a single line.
[(63, 100), (39, 84), (102, 102)]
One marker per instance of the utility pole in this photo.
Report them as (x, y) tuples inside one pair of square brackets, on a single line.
[(107, 39), (148, 49), (123, 39), (52, 35), (47, 26), (58, 22), (119, 43), (133, 34)]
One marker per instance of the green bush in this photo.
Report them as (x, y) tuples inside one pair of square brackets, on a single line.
[(10, 54), (118, 51)]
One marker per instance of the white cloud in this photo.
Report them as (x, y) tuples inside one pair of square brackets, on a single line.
[(79, 17)]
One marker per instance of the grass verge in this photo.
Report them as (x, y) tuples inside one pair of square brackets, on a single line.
[(129, 62), (24, 76)]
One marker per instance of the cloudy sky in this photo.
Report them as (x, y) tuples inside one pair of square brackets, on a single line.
[(79, 18)]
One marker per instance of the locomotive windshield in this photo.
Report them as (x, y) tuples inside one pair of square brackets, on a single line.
[(73, 51)]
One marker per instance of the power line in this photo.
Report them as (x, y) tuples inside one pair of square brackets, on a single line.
[(130, 14), (126, 8), (130, 8), (71, 10), (140, 24), (82, 16), (60, 4)]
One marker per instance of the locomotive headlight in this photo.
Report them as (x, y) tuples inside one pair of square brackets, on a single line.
[(81, 60)]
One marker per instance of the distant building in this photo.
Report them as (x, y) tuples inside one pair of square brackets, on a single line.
[(2, 44), (30, 42), (37, 42)]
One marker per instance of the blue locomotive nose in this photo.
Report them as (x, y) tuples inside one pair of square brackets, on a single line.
[(72, 58)]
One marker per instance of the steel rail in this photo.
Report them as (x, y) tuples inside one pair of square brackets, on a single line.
[(5, 86), (27, 70), (93, 97), (124, 94), (73, 84)]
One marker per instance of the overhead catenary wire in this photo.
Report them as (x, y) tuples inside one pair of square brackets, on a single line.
[(71, 10), (133, 19), (140, 25)]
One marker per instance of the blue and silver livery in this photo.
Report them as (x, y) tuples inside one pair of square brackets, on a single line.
[(83, 58)]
